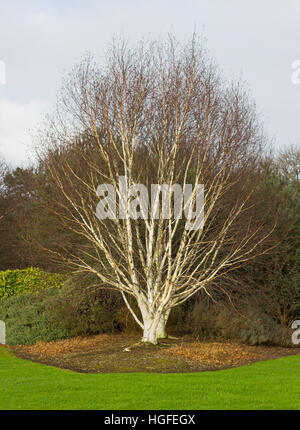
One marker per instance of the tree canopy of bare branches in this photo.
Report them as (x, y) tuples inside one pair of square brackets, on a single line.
[(159, 113)]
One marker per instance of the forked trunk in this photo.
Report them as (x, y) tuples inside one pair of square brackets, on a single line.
[(154, 328)]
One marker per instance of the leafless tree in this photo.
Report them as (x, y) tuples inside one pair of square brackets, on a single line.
[(288, 162), (156, 114), (3, 171)]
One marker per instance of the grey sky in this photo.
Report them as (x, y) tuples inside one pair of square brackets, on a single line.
[(41, 40)]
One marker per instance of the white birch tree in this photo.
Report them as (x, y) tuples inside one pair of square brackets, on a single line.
[(156, 114)]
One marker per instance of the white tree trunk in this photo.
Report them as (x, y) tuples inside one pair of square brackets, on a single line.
[(150, 331), (154, 326), (161, 328)]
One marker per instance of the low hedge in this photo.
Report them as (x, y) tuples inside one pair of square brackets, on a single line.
[(54, 314), (23, 281), (31, 317)]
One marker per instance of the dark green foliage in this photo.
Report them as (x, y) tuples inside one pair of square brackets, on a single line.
[(31, 317), (59, 313), (260, 329), (276, 275), (89, 310)]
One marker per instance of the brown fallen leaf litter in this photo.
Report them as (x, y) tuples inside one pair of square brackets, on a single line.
[(66, 346), (216, 353), (105, 354)]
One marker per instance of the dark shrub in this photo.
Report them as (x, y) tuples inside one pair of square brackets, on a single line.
[(88, 310), (30, 317), (246, 323)]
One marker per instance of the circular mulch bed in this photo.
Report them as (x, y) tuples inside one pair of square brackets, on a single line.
[(122, 353)]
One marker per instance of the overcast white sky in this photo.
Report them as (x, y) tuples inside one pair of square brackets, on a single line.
[(40, 40)]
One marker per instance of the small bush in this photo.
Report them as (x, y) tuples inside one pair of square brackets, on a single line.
[(88, 310), (248, 324), (31, 317), (31, 280)]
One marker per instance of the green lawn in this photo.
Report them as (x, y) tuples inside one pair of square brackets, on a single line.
[(265, 385)]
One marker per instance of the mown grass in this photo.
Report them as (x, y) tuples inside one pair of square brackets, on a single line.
[(271, 384)]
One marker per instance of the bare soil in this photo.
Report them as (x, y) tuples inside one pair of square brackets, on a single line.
[(123, 354)]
